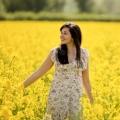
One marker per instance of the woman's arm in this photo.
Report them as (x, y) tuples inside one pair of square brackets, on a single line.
[(86, 83), (46, 65)]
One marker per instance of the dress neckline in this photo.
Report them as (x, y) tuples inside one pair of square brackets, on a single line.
[(70, 63)]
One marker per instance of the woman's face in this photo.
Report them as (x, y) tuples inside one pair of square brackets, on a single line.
[(65, 36)]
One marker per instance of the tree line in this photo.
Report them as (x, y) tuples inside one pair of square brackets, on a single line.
[(89, 6)]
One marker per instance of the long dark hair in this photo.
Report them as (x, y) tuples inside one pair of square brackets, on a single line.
[(76, 34)]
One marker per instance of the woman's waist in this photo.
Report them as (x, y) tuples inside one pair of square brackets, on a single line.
[(68, 74)]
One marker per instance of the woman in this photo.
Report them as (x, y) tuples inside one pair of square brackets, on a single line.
[(71, 71)]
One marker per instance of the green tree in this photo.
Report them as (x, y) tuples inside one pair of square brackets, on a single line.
[(25, 5), (2, 7), (85, 5), (55, 5)]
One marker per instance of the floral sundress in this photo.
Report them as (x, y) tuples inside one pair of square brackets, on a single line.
[(64, 101)]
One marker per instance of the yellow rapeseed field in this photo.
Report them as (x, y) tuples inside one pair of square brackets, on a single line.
[(25, 45)]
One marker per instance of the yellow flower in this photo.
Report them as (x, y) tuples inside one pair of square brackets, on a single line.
[(98, 109), (117, 117), (50, 76), (21, 86), (5, 112)]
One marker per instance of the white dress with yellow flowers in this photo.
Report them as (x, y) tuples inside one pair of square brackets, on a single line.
[(66, 90)]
